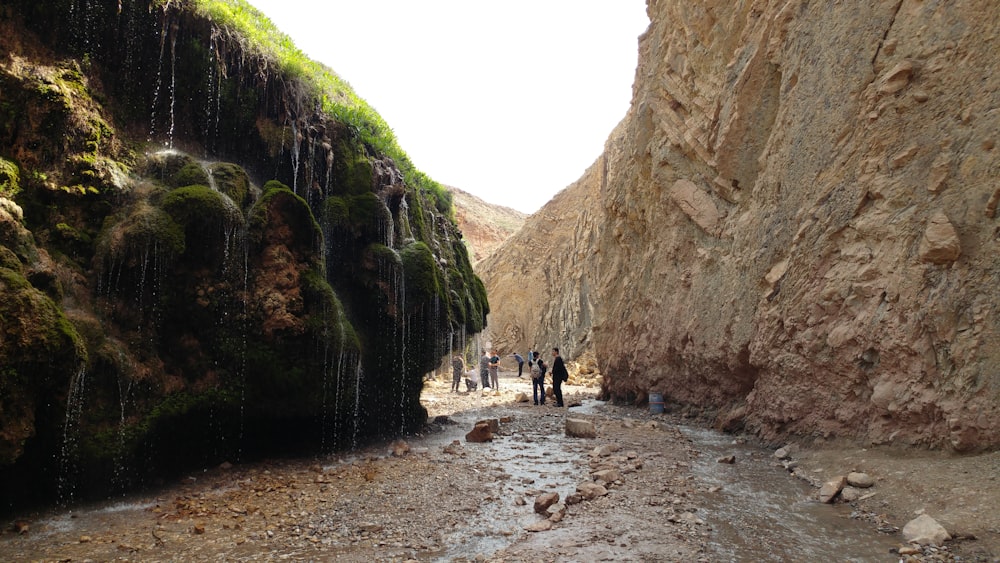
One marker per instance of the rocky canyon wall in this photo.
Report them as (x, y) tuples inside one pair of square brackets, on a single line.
[(798, 221), (210, 249), (541, 279)]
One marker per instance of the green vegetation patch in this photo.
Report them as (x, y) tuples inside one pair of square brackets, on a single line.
[(233, 181), (10, 179), (258, 36)]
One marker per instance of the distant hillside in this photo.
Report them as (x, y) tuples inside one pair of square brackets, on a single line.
[(485, 226)]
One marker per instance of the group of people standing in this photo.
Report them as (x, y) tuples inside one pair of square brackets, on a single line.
[(489, 366), (538, 368)]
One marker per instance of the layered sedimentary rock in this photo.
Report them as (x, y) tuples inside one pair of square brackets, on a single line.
[(283, 291), (485, 226), (798, 224), (541, 279)]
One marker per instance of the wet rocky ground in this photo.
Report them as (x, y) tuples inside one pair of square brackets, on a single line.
[(647, 488)]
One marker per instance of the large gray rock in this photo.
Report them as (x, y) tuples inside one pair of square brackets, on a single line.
[(544, 501), (590, 491), (860, 480), (831, 489), (925, 530), (579, 428)]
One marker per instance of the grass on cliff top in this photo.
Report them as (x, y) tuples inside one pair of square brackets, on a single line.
[(260, 36)]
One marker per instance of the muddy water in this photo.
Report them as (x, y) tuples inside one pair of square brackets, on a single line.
[(522, 461), (763, 514)]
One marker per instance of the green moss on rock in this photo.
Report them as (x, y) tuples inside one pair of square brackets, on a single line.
[(130, 236), (233, 181), (191, 174), (201, 209), (421, 272), (279, 205), (10, 178)]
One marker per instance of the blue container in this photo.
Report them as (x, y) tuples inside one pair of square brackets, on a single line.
[(656, 403)]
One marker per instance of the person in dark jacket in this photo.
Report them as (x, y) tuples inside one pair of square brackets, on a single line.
[(559, 376), (538, 379), (484, 370), (457, 367)]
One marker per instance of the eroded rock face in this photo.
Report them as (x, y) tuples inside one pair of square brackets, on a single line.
[(543, 276), (796, 222)]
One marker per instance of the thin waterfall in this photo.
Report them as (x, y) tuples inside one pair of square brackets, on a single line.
[(159, 74), (173, 88), (296, 148), (71, 436), (359, 374)]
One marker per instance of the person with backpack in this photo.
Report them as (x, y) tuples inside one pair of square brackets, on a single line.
[(559, 376), (495, 372), (538, 369), (484, 370)]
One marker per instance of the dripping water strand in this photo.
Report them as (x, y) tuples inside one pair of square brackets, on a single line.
[(173, 89), (71, 436), (159, 73)]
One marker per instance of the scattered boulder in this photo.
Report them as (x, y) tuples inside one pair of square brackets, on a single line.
[(225, 466), (443, 419), (606, 476), (544, 501), (198, 529), (782, 453), (21, 527), (540, 526), (480, 434), (579, 428), (557, 512), (400, 448), (605, 450), (690, 519), (729, 459), (574, 498), (506, 419), (590, 491), (521, 398), (850, 494), (454, 448), (910, 550), (924, 530), (493, 423), (519, 501), (829, 491), (860, 480)]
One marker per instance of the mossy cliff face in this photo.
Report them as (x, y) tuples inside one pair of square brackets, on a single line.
[(283, 292)]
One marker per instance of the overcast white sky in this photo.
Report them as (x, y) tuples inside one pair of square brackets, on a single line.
[(510, 100)]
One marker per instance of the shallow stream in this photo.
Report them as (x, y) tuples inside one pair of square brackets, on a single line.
[(762, 513)]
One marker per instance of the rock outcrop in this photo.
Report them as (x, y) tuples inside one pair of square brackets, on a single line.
[(285, 291), (543, 276), (484, 226), (796, 224)]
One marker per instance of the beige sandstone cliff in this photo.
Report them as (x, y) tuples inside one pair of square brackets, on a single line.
[(484, 226), (796, 222)]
